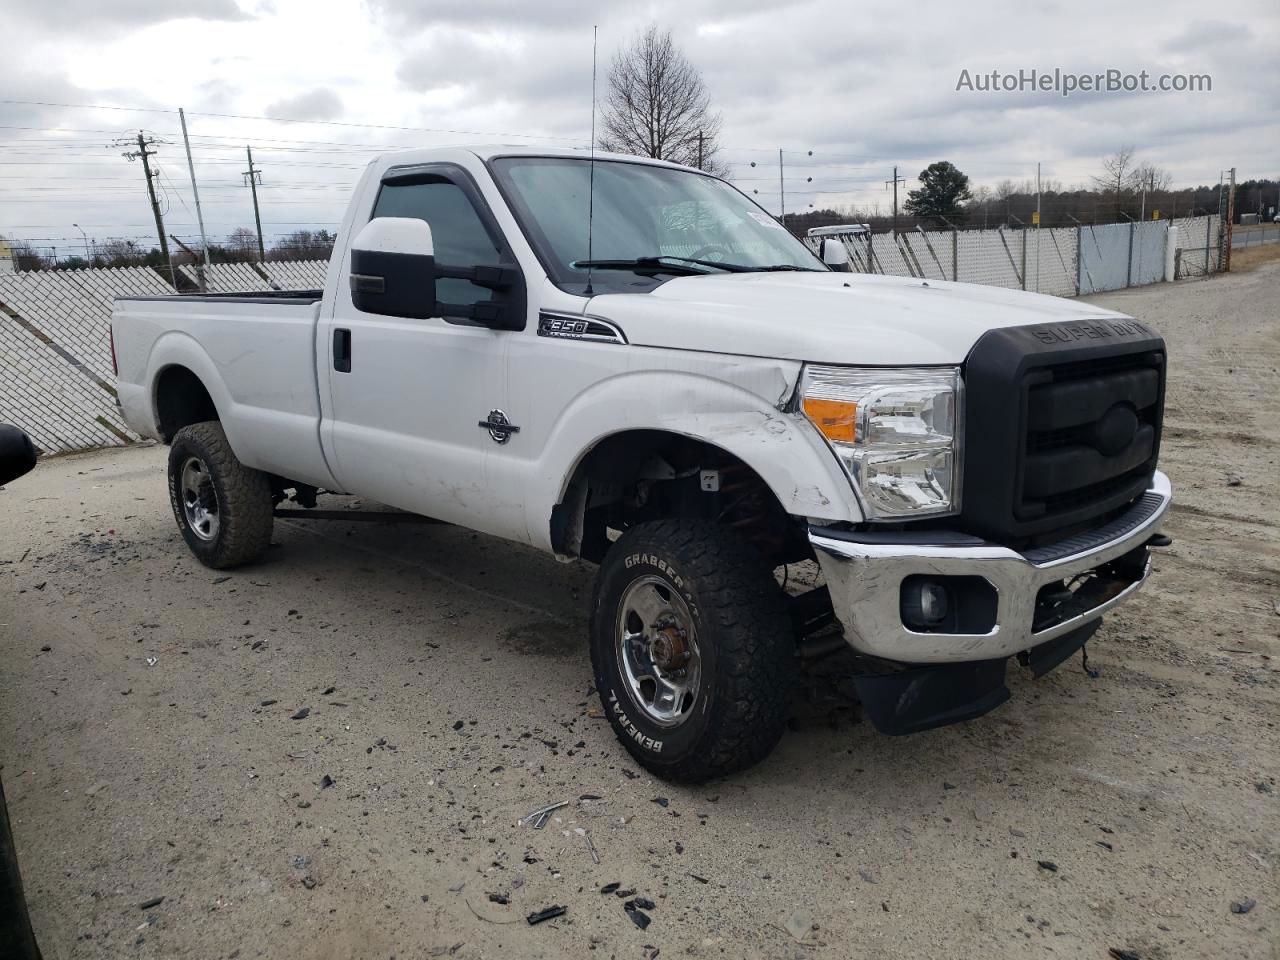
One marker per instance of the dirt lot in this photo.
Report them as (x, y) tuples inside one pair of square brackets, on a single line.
[(148, 747)]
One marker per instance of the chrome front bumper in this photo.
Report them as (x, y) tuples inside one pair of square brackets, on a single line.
[(865, 581)]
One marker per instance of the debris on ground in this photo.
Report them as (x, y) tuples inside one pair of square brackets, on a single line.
[(1117, 953), (1243, 906), (799, 925), (609, 888), (1048, 865), (547, 913), (326, 781), (641, 920), (538, 818), (301, 714), (501, 898), (480, 916), (156, 901), (661, 801), (591, 847)]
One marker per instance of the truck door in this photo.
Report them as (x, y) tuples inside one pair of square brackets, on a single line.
[(407, 397)]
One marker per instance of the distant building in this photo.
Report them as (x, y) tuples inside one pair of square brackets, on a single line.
[(6, 258)]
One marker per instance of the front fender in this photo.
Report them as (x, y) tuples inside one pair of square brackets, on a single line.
[(735, 409)]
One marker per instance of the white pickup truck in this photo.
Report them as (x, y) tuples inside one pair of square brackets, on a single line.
[(630, 363)]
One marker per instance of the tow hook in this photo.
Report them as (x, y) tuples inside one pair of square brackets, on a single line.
[(1159, 540)]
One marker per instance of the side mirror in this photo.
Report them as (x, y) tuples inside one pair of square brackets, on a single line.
[(393, 268), (834, 254), (394, 274), (17, 453)]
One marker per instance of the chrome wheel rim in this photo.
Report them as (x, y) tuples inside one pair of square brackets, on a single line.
[(199, 499), (658, 651)]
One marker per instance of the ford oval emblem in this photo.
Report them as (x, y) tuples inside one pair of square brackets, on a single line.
[(1115, 430)]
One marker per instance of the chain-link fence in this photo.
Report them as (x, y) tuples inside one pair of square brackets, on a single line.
[(55, 364), (1063, 261), (56, 380)]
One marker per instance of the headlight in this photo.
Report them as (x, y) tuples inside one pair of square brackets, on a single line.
[(897, 432)]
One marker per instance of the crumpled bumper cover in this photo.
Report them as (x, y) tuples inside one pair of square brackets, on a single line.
[(865, 579)]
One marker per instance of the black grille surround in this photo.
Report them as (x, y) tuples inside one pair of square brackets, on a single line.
[(1062, 427)]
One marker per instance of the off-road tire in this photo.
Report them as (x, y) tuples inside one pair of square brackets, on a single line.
[(744, 635), (244, 500)]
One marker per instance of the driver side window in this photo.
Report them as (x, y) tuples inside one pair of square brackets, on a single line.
[(457, 231)]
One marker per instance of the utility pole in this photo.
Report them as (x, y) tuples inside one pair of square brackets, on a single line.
[(782, 191), (195, 192), (1038, 219), (699, 149), (144, 154), (253, 178), (895, 181), (1231, 216)]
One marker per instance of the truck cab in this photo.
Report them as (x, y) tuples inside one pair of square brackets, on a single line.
[(629, 363)]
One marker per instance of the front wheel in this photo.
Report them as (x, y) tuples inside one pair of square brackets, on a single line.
[(692, 649), (223, 508)]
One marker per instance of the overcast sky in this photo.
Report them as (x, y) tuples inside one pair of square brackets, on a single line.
[(863, 85)]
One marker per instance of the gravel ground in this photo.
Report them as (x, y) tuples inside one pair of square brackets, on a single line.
[(153, 743)]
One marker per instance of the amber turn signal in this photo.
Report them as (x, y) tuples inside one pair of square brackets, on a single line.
[(837, 419)]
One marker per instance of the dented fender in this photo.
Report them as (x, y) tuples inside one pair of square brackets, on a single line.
[(735, 403)]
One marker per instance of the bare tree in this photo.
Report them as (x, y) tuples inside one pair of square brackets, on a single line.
[(1117, 176), (1153, 177), (658, 106), (242, 244)]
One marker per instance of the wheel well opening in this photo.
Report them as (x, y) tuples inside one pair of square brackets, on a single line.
[(181, 400), (645, 475)]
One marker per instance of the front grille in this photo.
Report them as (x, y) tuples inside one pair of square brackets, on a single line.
[(1090, 434), (1062, 427)]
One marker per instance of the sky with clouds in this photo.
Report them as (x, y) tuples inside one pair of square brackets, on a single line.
[(845, 90)]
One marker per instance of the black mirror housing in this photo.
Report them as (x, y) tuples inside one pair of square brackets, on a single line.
[(394, 284)]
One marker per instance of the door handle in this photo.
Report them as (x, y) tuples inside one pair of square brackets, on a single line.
[(342, 350)]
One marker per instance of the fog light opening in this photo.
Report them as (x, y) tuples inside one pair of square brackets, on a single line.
[(925, 604)]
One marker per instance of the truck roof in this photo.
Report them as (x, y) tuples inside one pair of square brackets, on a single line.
[(489, 150)]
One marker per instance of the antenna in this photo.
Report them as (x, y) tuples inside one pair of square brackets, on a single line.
[(591, 179)]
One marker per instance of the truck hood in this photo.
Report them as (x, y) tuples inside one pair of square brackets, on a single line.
[(841, 318)]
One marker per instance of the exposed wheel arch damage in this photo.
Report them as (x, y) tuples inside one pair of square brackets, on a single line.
[(181, 399), (642, 475)]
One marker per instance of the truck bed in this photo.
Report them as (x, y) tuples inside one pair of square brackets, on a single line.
[(256, 355)]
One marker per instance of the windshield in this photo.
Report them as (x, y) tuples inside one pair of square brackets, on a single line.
[(641, 212)]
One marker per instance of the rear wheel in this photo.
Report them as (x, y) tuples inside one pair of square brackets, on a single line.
[(692, 649), (223, 508)]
